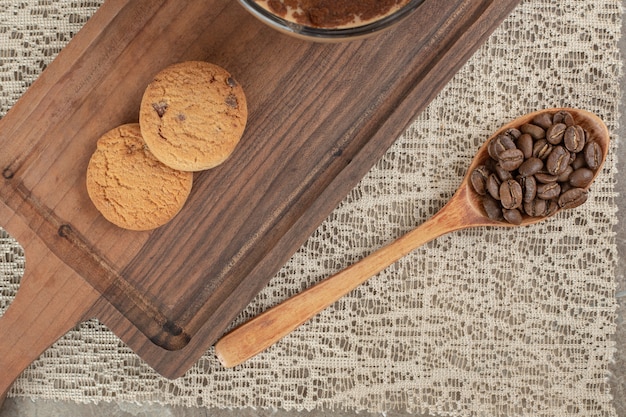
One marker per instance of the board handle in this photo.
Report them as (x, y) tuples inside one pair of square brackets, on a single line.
[(47, 305)]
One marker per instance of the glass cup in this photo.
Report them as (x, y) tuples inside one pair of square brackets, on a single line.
[(327, 32)]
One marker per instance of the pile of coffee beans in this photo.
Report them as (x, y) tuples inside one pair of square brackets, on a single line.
[(537, 169)]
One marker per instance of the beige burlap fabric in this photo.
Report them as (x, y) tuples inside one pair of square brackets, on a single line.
[(483, 322)]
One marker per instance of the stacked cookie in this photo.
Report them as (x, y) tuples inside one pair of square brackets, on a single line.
[(191, 118)]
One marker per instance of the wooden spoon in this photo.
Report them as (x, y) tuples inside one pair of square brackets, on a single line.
[(464, 210)]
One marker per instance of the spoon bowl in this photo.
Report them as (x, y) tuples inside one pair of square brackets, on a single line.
[(592, 124), (465, 209)]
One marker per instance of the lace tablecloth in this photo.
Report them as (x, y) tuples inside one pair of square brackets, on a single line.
[(478, 322)]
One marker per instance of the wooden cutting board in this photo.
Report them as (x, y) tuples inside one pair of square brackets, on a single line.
[(320, 116)]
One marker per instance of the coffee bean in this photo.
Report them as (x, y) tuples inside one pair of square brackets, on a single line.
[(574, 139), (555, 133), (536, 208), (563, 116), (478, 178), (593, 155), (502, 173), (525, 144), (512, 216), (558, 160), (510, 194), (564, 176), (513, 133), (543, 120), (541, 149), (511, 159), (565, 186), (530, 167), (529, 188), (553, 207), (572, 157), (548, 191), (579, 161), (572, 198), (545, 178), (490, 164), (500, 144), (492, 208), (581, 178), (493, 186), (533, 130)]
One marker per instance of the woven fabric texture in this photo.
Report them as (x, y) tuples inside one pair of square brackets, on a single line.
[(479, 322)]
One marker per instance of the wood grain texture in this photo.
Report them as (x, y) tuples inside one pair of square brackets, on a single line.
[(320, 116)]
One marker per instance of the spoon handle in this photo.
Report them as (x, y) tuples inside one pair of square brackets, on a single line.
[(269, 327)]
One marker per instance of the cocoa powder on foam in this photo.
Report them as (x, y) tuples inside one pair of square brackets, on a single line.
[(332, 13)]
